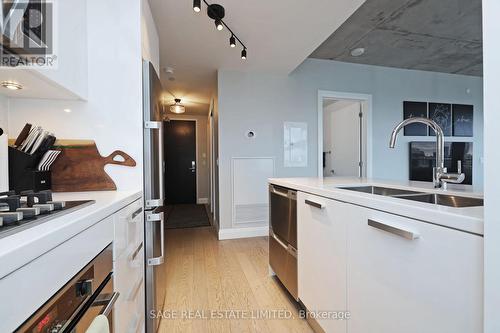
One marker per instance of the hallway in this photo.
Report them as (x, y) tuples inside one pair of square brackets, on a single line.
[(206, 275)]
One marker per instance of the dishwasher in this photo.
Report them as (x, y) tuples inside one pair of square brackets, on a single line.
[(283, 236)]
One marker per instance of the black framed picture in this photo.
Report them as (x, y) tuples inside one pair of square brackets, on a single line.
[(423, 159), (412, 110), (441, 114), (463, 120)]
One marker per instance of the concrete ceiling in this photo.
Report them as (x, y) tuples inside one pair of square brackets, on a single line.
[(279, 34), (432, 35)]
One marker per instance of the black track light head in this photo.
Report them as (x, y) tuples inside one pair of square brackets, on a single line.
[(197, 5), (232, 41), (244, 54), (218, 25)]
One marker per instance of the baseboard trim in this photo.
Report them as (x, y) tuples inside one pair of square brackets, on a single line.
[(202, 201), (235, 233)]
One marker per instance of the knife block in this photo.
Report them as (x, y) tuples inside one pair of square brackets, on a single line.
[(23, 174)]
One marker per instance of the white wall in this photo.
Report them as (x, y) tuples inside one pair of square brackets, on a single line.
[(264, 101), (112, 116), (202, 168), (150, 39), (491, 54), (341, 139)]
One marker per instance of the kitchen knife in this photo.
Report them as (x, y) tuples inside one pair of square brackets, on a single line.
[(23, 135), (51, 159), (38, 141), (29, 140), (47, 143), (34, 138)]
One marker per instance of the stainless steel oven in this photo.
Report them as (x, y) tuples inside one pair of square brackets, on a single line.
[(87, 295), (283, 236)]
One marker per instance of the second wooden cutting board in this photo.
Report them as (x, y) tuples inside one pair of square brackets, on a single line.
[(80, 167)]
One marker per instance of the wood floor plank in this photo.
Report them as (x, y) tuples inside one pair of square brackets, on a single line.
[(227, 278)]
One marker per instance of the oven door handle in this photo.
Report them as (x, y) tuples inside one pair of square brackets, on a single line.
[(110, 304)]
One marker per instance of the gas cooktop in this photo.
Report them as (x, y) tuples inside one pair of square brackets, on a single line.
[(28, 209)]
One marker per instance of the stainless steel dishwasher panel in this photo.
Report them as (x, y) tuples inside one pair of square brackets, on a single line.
[(283, 214)]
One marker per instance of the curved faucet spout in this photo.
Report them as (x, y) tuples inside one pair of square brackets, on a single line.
[(426, 121)]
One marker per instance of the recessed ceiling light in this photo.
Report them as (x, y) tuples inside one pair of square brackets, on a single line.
[(359, 51), (11, 85), (67, 110)]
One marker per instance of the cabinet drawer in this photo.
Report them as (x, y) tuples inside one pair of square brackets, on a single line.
[(129, 282), (427, 276), (129, 226)]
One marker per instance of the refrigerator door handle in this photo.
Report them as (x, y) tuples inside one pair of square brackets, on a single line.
[(155, 218), (158, 125)]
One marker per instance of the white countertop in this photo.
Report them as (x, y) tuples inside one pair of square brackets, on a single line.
[(19, 249), (469, 219)]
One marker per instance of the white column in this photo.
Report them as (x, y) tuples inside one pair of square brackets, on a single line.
[(491, 50)]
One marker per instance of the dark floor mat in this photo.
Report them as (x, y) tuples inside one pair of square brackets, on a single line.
[(186, 216)]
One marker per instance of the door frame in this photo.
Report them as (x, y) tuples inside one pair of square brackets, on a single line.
[(174, 118), (366, 104)]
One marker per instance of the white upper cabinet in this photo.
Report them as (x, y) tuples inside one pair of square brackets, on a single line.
[(69, 79)]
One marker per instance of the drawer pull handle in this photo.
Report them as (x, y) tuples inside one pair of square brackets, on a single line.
[(136, 252), (137, 212), (280, 242), (393, 230), (314, 204)]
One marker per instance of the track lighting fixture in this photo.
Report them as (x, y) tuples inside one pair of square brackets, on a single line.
[(217, 12), (218, 25), (197, 5)]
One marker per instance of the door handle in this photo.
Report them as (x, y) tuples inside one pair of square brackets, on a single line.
[(193, 166), (158, 125), (111, 302), (279, 241), (155, 218), (393, 230)]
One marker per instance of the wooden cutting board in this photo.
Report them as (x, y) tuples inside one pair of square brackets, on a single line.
[(80, 167)]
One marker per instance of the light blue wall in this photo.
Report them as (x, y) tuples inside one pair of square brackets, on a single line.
[(262, 102)]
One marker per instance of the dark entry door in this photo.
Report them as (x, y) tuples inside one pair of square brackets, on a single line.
[(180, 162)]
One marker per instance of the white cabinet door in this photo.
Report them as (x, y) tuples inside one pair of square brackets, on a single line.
[(321, 236), (432, 283)]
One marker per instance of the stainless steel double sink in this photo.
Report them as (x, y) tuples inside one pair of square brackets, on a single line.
[(449, 200)]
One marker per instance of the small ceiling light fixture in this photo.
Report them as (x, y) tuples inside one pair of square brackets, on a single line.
[(216, 12), (11, 85), (177, 107), (359, 51), (197, 6), (218, 25), (67, 110)]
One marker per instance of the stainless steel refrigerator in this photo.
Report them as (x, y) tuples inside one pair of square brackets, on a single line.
[(154, 231)]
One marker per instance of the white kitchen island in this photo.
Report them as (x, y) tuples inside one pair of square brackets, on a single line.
[(36, 262), (394, 265)]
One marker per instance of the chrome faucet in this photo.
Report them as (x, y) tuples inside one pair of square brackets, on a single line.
[(440, 175)]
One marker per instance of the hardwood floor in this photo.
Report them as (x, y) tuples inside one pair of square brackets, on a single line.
[(228, 279)]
